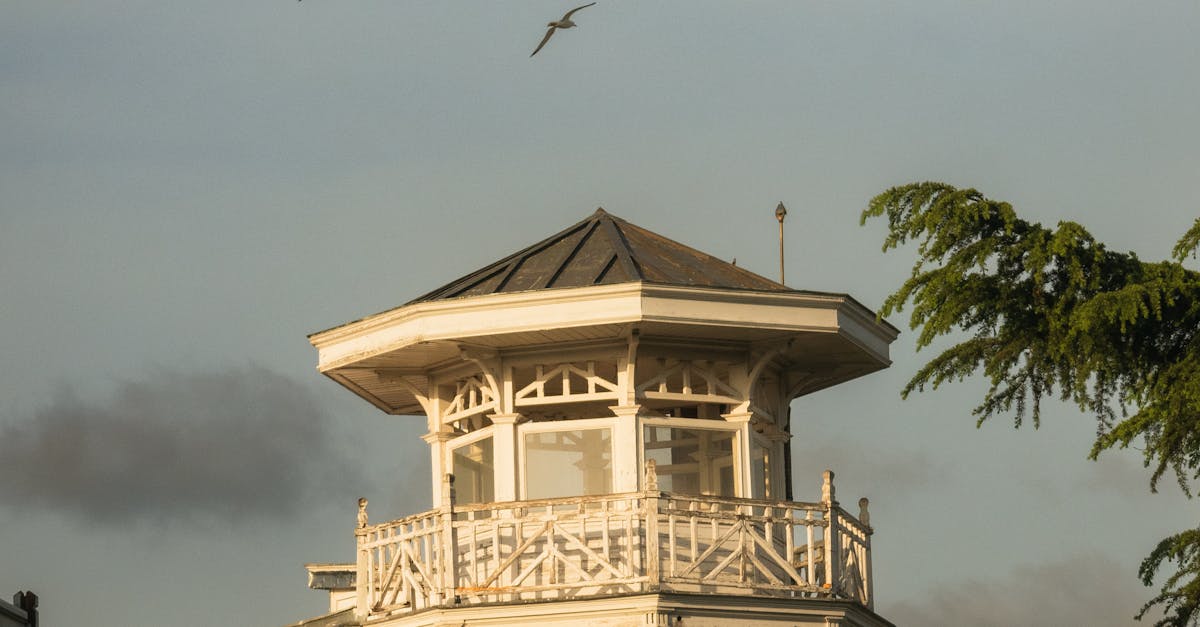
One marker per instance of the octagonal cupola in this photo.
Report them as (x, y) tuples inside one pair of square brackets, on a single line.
[(561, 369)]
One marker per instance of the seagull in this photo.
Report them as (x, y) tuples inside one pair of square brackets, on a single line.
[(565, 22)]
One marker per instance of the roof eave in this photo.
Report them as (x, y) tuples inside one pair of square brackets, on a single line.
[(595, 305)]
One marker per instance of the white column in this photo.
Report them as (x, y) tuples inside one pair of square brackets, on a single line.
[(627, 447), (439, 464), (504, 455), (741, 463)]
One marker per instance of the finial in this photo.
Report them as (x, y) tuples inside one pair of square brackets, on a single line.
[(864, 516), (827, 492), (362, 512), (780, 214), (651, 475)]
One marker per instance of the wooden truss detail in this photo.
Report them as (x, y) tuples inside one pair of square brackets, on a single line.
[(573, 384), (698, 381), (472, 395)]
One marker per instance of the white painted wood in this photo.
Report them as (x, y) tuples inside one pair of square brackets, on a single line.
[(600, 305), (626, 447), (504, 451), (437, 461), (581, 546), (742, 452)]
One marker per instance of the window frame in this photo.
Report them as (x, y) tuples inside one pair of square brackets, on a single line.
[(578, 424), (699, 424), (466, 440)]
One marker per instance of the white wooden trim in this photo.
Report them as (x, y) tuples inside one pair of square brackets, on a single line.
[(465, 440), (469, 438), (688, 423), (504, 452), (543, 310), (626, 442), (492, 556), (437, 461)]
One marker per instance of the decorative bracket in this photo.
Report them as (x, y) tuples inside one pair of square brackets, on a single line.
[(488, 361), (393, 376), (756, 370)]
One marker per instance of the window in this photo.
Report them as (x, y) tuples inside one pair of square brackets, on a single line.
[(474, 472), (692, 461), (760, 469), (568, 463)]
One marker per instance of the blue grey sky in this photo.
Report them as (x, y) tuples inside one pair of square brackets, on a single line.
[(187, 189)]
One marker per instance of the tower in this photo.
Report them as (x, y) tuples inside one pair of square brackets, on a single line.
[(609, 438)]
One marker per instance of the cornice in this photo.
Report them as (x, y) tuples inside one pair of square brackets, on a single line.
[(622, 303), (466, 305)]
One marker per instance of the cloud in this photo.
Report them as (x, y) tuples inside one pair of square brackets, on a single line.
[(1123, 474), (230, 445), (869, 469), (1089, 589)]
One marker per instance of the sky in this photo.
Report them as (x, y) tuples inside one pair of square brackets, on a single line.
[(188, 189)]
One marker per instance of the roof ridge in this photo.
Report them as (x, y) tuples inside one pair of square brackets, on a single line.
[(490, 270)]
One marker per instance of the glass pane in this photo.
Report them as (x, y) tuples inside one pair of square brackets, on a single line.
[(568, 463), (474, 473), (692, 461), (760, 470)]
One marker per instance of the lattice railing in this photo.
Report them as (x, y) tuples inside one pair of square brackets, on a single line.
[(400, 564), (549, 549), (598, 545), (739, 545)]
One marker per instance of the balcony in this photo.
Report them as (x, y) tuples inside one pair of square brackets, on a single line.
[(592, 546)]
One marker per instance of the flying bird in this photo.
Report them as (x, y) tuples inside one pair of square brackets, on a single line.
[(565, 22)]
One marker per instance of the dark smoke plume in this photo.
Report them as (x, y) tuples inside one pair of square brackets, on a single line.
[(237, 444)]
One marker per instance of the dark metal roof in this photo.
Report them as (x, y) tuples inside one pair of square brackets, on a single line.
[(601, 250)]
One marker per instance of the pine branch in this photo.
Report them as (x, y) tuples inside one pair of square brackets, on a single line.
[(1053, 312)]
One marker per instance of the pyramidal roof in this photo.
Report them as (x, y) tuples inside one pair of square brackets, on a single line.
[(601, 250)]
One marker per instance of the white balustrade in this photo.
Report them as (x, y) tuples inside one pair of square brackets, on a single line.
[(620, 543)]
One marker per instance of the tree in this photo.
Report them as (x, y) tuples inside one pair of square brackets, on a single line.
[(1053, 312)]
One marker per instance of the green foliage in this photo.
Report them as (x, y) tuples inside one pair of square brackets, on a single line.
[(1180, 593), (1054, 313), (1189, 242)]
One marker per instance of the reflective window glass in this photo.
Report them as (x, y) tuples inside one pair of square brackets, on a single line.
[(760, 470), (568, 463), (692, 461), (474, 473)]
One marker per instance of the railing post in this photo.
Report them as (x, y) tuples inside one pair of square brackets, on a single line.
[(362, 567), (449, 547), (864, 515), (650, 514), (833, 553)]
